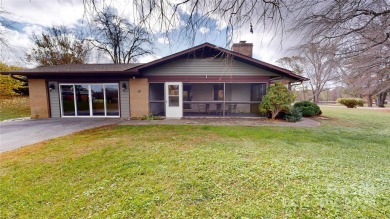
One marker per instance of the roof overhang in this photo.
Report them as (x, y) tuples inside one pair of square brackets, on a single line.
[(93, 73)]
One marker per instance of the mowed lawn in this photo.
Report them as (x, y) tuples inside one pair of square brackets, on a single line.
[(340, 169), (14, 107)]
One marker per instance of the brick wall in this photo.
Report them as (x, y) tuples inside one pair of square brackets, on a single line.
[(139, 97), (39, 102), (243, 48)]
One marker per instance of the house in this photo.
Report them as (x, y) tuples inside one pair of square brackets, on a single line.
[(205, 80)]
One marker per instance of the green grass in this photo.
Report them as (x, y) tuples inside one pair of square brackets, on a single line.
[(14, 107), (338, 170)]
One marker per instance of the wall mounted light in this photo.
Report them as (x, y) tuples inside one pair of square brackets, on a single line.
[(52, 87), (124, 86)]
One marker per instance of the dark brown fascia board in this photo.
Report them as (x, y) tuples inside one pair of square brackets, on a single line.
[(236, 55), (92, 73)]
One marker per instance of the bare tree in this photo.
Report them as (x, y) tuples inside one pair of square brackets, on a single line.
[(319, 64), (368, 74), (59, 45), (115, 36), (345, 22), (294, 64), (166, 15)]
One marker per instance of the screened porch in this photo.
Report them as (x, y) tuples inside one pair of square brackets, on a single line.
[(212, 99)]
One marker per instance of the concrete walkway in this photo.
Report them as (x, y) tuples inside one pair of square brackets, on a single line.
[(305, 122), (21, 132)]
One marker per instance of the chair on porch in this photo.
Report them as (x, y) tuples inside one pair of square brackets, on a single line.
[(232, 108), (203, 107), (219, 110)]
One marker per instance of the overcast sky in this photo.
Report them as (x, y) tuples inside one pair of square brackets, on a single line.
[(33, 16)]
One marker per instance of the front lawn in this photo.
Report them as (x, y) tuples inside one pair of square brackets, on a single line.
[(340, 169), (14, 107)]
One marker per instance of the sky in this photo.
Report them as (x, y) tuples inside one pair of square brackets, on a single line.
[(33, 16)]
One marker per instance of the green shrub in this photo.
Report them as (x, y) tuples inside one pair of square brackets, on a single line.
[(294, 114), (360, 102), (351, 102), (308, 108), (277, 99)]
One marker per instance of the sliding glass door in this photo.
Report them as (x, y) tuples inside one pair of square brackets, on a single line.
[(82, 100), (86, 100), (98, 106)]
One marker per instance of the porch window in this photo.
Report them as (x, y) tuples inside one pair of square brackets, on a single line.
[(218, 91), (222, 99), (156, 99)]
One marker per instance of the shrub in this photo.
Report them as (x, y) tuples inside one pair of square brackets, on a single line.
[(350, 102), (360, 102), (294, 114), (278, 98), (308, 108)]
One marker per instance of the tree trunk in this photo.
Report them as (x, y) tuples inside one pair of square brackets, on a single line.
[(382, 99), (369, 100), (316, 95), (274, 114)]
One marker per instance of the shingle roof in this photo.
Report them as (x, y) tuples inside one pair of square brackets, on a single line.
[(74, 68)]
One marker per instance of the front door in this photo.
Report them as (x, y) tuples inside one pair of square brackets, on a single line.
[(174, 99)]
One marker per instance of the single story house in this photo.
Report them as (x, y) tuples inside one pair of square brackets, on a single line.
[(205, 80)]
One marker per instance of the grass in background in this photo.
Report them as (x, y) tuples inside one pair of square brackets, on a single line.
[(340, 169), (14, 107)]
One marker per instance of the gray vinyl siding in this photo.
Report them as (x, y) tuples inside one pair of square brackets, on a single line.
[(54, 99), (125, 100), (207, 66)]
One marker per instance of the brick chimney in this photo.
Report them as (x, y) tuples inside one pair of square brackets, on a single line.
[(243, 48)]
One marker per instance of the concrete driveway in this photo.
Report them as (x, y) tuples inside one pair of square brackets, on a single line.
[(18, 133)]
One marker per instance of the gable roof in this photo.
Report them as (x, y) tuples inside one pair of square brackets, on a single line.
[(137, 68), (208, 47)]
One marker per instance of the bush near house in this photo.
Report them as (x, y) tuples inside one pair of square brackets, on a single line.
[(277, 99), (350, 102), (294, 114), (308, 108)]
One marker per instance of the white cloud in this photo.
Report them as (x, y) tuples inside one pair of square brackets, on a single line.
[(204, 30), (268, 45), (148, 58), (163, 40), (18, 45), (45, 13)]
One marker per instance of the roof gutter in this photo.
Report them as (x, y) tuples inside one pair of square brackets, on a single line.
[(276, 78)]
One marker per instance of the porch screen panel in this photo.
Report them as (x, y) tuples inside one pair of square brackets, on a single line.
[(258, 91), (67, 96), (156, 99), (112, 103)]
